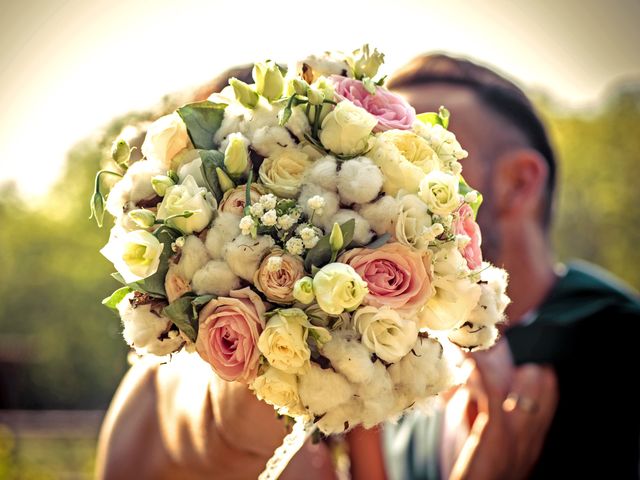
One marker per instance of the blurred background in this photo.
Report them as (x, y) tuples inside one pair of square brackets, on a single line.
[(74, 72)]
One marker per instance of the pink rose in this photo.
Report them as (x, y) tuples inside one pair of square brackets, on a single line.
[(396, 276), (229, 332), (391, 110), (464, 224)]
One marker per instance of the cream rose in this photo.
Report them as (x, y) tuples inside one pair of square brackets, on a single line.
[(404, 159), (284, 340), (439, 191), (385, 333), (234, 200), (347, 129), (277, 275), (413, 222), (279, 389), (338, 287), (282, 173), (187, 197), (136, 254), (165, 138)]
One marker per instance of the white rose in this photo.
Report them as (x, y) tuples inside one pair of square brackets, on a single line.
[(187, 197), (455, 295), (165, 138), (284, 340), (136, 254), (282, 172), (193, 168), (145, 328), (404, 159), (279, 389), (439, 191), (413, 222), (338, 287), (385, 333), (347, 129)]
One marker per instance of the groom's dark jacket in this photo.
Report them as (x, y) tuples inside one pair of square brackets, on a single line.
[(589, 330)]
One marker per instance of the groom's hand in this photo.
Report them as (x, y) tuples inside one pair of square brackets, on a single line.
[(515, 407)]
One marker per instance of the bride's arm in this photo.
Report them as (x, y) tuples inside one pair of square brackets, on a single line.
[(177, 418)]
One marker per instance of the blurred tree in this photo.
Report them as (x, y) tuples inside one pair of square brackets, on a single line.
[(62, 349)]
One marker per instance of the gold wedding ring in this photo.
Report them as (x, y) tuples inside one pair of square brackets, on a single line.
[(514, 400)]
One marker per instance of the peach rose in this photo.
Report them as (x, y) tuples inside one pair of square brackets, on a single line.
[(396, 276), (233, 200), (464, 224), (229, 332), (277, 275)]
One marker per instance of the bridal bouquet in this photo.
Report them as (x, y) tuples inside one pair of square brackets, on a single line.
[(308, 235)]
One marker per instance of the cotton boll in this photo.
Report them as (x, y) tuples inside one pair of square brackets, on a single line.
[(244, 254), (362, 233), (323, 173), (376, 396), (268, 140), (298, 123), (479, 331), (422, 372), (474, 336), (381, 214), (193, 257), (264, 115), (146, 330), (133, 187), (331, 206), (349, 357), (215, 278), (234, 117), (225, 228), (341, 418), (359, 181), (314, 385)]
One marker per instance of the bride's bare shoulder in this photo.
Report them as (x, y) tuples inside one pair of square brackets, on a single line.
[(145, 417)]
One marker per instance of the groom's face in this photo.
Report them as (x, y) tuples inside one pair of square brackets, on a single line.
[(478, 132)]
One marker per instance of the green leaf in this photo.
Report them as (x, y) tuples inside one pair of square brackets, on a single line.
[(203, 119), (464, 188), (180, 313), (116, 297), (211, 160), (199, 302), (380, 241), (321, 254), (429, 117)]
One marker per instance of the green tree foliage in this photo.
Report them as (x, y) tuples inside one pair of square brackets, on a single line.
[(597, 215), (69, 347)]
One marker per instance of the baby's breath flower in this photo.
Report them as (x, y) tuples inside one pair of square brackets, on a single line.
[(256, 209), (316, 203), (268, 201), (286, 221), (295, 246), (270, 218), (274, 264), (246, 224)]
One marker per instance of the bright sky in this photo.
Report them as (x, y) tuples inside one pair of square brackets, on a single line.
[(68, 66)]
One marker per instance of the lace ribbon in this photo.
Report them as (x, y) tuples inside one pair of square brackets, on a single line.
[(284, 453)]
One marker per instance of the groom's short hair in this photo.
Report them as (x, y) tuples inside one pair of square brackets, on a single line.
[(495, 92)]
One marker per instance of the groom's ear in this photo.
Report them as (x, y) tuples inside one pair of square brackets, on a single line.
[(519, 183)]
